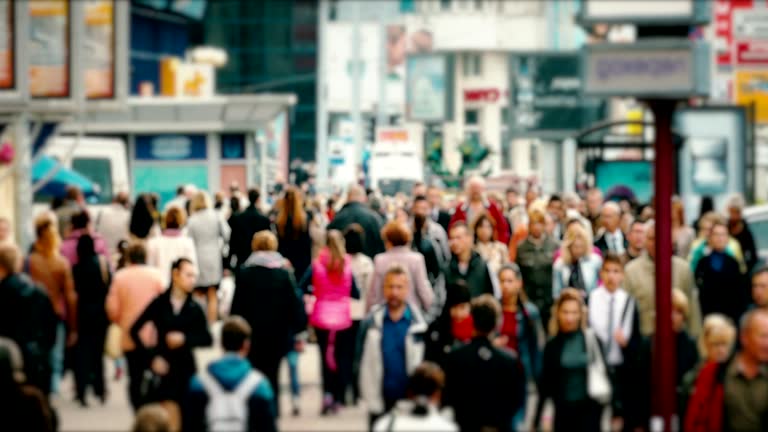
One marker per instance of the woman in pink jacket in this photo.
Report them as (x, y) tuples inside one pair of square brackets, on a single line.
[(333, 286)]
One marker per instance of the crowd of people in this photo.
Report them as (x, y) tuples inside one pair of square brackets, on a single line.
[(439, 314)]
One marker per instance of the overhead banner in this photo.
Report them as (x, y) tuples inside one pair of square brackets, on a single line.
[(752, 87), (6, 45), (49, 48), (99, 49), (546, 95)]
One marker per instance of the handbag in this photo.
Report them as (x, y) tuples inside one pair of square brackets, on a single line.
[(113, 343), (598, 384)]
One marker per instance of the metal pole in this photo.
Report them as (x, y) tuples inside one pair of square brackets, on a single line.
[(664, 358), (357, 119), (321, 113), (381, 114), (23, 177)]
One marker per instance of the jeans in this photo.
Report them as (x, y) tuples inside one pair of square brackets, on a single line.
[(57, 357), (293, 372)]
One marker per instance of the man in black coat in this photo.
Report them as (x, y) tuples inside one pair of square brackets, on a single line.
[(484, 385), (27, 317), (467, 267), (355, 211), (244, 226), (267, 297), (438, 215)]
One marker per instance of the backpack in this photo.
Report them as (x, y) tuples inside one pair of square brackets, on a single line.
[(227, 411)]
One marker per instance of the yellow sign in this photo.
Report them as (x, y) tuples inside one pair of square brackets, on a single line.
[(99, 57), (752, 87), (186, 79), (49, 48)]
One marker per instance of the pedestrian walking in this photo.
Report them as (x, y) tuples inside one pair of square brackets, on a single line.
[(493, 252), (292, 229), (244, 225), (467, 267), (731, 395), (611, 239), (739, 230), (144, 219), (421, 411), (80, 225), (362, 268), (92, 279), (24, 406), (391, 345), (333, 286), (133, 289), (209, 233), (356, 211), (535, 257), (477, 203), (700, 246), (172, 244), (429, 239), (572, 358), (760, 288), (485, 385), (453, 328), (46, 266), (577, 266), (229, 394), (180, 326), (74, 202), (113, 221), (267, 297), (682, 235)]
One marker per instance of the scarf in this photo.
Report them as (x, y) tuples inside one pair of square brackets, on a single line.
[(462, 330)]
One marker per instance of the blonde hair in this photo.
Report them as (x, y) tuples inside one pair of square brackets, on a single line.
[(337, 248), (264, 240), (575, 232), (680, 302), (567, 294), (200, 201), (48, 238), (716, 325)]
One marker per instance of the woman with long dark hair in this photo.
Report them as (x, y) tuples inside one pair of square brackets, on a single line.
[(292, 229), (92, 278), (143, 218), (494, 252)]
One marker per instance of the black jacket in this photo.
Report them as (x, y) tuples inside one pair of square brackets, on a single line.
[(748, 248), (244, 226), (725, 291), (192, 322), (484, 385), (267, 298), (602, 244), (478, 277), (92, 290), (27, 317), (443, 219), (358, 213)]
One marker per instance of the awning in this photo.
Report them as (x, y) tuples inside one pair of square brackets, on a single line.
[(56, 185)]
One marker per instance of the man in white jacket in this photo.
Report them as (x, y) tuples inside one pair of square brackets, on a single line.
[(392, 346)]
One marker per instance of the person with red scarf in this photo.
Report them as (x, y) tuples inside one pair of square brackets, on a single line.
[(453, 328), (476, 204)]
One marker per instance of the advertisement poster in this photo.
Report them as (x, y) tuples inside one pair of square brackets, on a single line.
[(99, 49), (429, 89), (6, 45), (49, 48), (752, 86)]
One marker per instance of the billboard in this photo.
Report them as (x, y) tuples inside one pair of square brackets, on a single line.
[(49, 48), (7, 63), (752, 87), (546, 95), (99, 49), (429, 89)]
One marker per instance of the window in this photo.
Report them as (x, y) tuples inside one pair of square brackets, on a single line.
[(445, 5), (99, 172), (473, 64), (471, 117), (233, 146)]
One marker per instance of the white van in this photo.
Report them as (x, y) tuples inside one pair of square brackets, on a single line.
[(103, 160)]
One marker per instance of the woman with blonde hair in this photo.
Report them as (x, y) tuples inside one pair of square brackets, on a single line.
[(333, 286), (46, 266), (292, 229), (577, 266), (570, 357), (172, 244), (209, 233)]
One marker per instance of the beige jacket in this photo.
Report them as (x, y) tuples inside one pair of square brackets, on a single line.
[(640, 282)]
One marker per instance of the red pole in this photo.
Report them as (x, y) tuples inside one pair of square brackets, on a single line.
[(664, 358)]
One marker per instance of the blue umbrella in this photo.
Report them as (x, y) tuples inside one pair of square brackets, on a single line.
[(56, 186)]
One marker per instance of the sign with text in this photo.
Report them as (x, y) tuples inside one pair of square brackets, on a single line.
[(669, 12), (662, 69), (49, 50), (545, 95)]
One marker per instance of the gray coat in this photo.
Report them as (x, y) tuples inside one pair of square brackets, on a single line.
[(209, 233)]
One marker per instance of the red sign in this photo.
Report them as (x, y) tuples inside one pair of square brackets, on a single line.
[(484, 95), (752, 53), (723, 20)]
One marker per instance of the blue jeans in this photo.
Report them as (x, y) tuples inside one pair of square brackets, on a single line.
[(293, 371), (57, 357)]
